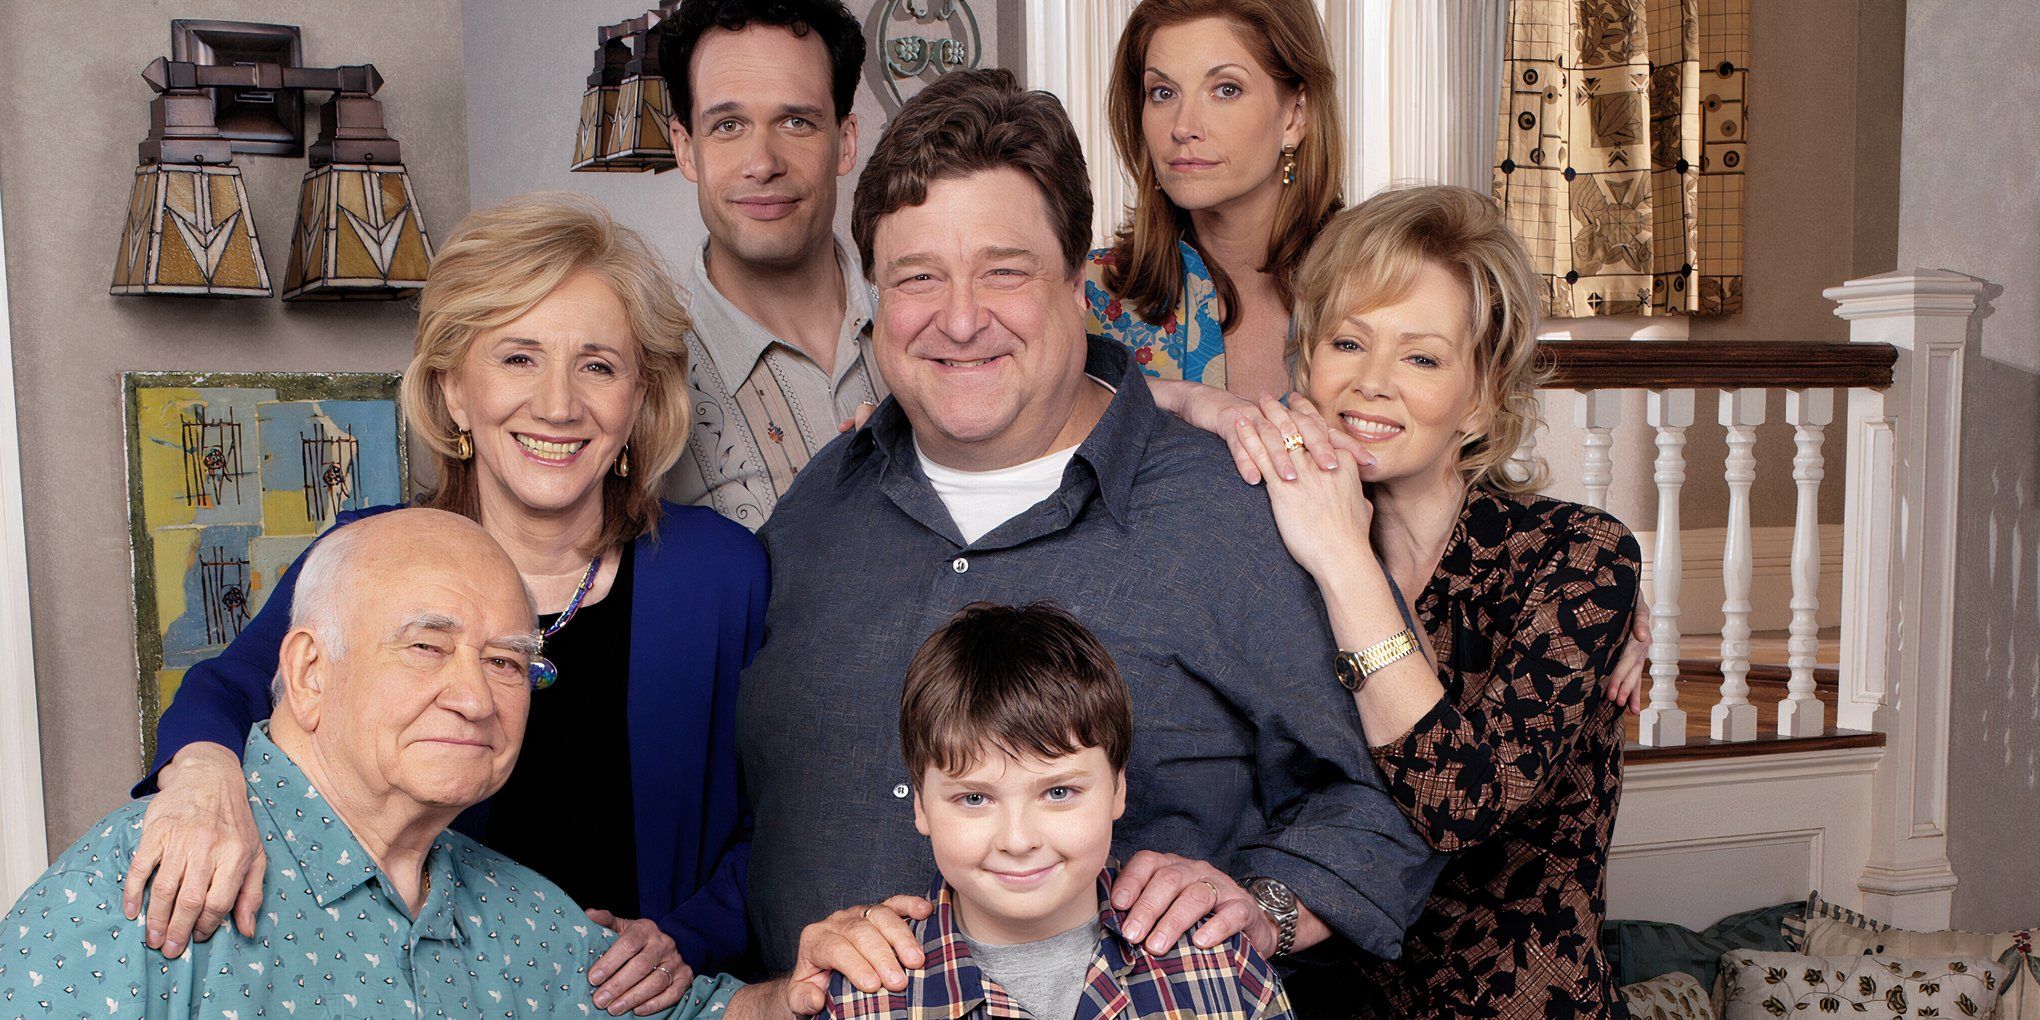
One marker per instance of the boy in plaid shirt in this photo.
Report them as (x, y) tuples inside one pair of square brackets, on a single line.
[(1015, 726)]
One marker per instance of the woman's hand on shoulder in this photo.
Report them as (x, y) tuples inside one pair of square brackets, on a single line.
[(200, 844), (1324, 513), (1223, 414), (642, 971), (1162, 896), (1624, 686), (858, 418)]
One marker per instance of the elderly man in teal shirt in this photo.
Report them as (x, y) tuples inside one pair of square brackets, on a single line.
[(402, 696)]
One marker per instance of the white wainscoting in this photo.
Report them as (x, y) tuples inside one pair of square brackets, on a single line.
[(24, 840), (1700, 588), (1696, 841)]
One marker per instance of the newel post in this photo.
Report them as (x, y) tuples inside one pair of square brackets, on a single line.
[(1898, 573)]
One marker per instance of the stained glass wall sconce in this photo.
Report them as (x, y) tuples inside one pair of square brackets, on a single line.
[(359, 231), (626, 110)]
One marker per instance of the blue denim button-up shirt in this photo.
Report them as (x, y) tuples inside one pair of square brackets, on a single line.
[(1246, 750), (333, 938)]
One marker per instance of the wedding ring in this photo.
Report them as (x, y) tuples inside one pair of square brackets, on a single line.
[(1292, 442), (866, 913), (1205, 882), (661, 968)]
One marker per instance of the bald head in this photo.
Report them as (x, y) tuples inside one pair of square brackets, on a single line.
[(382, 550), (405, 675)]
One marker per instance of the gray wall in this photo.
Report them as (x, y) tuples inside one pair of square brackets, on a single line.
[(76, 105), (1972, 141), (528, 62)]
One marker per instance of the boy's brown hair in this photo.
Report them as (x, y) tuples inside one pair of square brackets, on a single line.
[(1028, 680), (967, 123)]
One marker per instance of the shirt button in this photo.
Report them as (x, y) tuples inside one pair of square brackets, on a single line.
[(959, 564), (901, 791)]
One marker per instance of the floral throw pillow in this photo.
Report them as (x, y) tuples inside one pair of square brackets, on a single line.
[(1673, 996), (1761, 986), (1829, 930)]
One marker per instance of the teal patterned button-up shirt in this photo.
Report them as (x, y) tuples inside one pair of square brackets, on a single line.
[(333, 939)]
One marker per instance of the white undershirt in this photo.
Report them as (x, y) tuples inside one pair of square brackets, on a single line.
[(982, 500)]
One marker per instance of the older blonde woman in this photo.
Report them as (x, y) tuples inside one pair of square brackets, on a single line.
[(1416, 337), (547, 382)]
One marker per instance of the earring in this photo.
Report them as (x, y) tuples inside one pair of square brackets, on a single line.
[(1288, 165), (623, 462), (464, 445)]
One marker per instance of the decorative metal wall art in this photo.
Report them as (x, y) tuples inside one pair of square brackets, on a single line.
[(921, 40), (188, 232), (230, 477)]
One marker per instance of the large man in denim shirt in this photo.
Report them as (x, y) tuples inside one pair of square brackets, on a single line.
[(1020, 460)]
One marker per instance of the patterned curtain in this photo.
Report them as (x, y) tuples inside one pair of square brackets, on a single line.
[(1621, 153)]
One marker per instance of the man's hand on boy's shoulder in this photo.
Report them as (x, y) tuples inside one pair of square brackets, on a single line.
[(1161, 896), (871, 946)]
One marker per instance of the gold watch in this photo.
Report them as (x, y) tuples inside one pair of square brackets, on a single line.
[(1353, 668)]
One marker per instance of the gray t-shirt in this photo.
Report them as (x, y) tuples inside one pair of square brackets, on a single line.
[(1046, 977)]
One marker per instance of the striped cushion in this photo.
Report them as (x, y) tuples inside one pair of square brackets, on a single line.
[(1818, 909)]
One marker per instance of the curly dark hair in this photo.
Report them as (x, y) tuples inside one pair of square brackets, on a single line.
[(682, 31)]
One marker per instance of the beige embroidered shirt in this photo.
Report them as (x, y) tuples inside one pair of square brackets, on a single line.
[(760, 407)]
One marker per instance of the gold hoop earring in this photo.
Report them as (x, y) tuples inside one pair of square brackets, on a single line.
[(464, 445), (1288, 165), (623, 462)]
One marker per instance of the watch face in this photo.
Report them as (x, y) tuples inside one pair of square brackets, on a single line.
[(1348, 671), (1274, 895)]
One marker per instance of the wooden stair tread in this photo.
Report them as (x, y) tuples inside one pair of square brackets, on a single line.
[(1703, 747), (1708, 671), (1700, 687)]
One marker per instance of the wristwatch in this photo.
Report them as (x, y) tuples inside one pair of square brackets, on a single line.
[(1353, 668), (1280, 905)]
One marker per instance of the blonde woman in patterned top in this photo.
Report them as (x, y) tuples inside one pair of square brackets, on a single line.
[(1416, 336)]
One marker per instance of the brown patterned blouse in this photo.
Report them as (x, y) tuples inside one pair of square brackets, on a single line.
[(1515, 773)]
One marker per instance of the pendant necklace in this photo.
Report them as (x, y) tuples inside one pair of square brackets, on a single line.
[(543, 673)]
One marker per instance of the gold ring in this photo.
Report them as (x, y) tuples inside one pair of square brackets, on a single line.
[(1292, 442), (1205, 882), (866, 913)]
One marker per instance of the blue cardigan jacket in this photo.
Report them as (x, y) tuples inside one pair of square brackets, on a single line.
[(697, 615)]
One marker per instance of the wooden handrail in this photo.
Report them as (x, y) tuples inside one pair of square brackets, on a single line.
[(1717, 364)]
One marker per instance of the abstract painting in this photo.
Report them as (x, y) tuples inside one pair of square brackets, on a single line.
[(230, 477)]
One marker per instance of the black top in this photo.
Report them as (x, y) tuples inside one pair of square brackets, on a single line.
[(566, 810), (1516, 772)]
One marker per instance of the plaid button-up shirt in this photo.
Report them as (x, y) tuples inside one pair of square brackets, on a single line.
[(1229, 981)]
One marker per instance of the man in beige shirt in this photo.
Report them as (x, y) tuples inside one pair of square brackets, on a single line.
[(780, 355)]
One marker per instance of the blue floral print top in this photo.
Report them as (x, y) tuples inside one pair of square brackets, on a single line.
[(1188, 344)]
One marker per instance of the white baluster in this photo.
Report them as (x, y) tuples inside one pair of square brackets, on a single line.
[(1597, 412), (1734, 717), (1808, 412), (1663, 723)]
